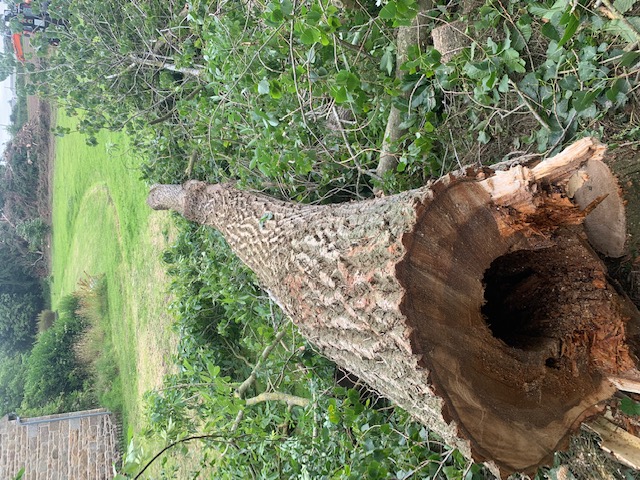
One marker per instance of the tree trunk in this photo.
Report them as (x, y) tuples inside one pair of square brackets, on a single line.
[(414, 34), (475, 303)]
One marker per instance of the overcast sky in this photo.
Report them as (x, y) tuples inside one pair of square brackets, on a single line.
[(6, 94)]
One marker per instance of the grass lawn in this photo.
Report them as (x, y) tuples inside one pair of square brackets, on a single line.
[(102, 226)]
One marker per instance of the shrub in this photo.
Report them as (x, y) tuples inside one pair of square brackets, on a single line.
[(53, 372), (46, 318), (18, 320), (34, 232), (12, 371)]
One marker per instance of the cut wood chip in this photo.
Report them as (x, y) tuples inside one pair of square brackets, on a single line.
[(617, 441)]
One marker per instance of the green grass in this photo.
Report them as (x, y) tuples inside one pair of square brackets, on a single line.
[(101, 225)]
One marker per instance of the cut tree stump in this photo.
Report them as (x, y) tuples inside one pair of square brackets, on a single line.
[(477, 303)]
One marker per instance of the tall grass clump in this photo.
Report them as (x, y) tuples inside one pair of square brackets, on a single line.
[(94, 347), (46, 319)]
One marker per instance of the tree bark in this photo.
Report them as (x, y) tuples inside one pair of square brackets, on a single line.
[(476, 303)]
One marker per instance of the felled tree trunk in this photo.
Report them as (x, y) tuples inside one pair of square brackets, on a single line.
[(476, 303)]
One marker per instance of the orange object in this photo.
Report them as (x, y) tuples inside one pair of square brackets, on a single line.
[(16, 38)]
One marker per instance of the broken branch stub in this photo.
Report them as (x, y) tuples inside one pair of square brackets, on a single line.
[(476, 303)]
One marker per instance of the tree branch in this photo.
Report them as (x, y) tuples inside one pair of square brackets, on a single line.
[(414, 34), (148, 62), (291, 400), (242, 389)]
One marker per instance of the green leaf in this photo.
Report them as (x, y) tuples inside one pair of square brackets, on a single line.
[(630, 407), (310, 36), (389, 11), (387, 61), (339, 93), (503, 86), (347, 79), (286, 6), (263, 86), (476, 71), (550, 32), (524, 27), (314, 16), (623, 6), (333, 413), (275, 89), (629, 58), (571, 27), (583, 100)]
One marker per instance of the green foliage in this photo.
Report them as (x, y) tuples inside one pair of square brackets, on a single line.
[(12, 372), (72, 364), (630, 407), (34, 232), (18, 320), (217, 296), (54, 379)]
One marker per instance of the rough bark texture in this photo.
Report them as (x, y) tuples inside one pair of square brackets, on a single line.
[(475, 302)]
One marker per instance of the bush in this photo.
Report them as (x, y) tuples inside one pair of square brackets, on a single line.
[(18, 320), (53, 372), (34, 232), (12, 372)]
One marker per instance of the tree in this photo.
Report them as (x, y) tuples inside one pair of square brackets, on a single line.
[(12, 374), (7, 65), (18, 320), (475, 302)]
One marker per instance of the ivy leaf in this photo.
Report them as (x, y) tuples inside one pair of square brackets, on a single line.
[(550, 32), (630, 407), (583, 100)]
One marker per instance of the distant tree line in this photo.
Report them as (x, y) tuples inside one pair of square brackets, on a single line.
[(22, 263)]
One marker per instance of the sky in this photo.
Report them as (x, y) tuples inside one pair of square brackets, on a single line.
[(6, 96)]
